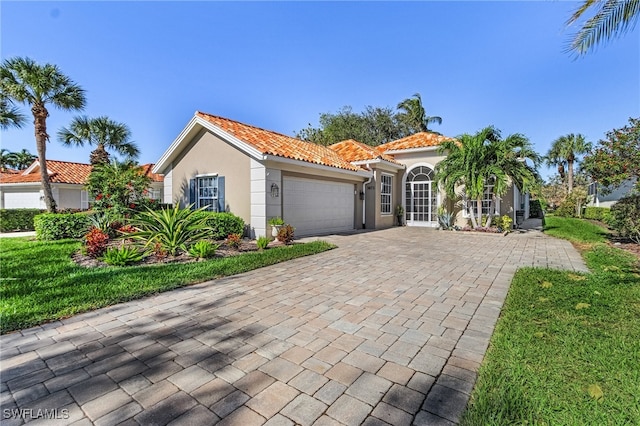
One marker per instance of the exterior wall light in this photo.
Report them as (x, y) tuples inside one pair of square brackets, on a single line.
[(362, 195), (275, 190)]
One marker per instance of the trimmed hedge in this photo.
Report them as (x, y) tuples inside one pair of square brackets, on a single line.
[(59, 226), (224, 224), (602, 214), (12, 220), (535, 209)]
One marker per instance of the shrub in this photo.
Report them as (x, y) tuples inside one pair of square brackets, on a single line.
[(285, 234), (276, 221), (95, 242), (234, 240), (598, 213), (263, 242), (573, 204), (122, 256), (170, 229), (203, 249), (506, 222), (222, 224), (625, 217), (18, 219), (535, 209), (58, 226)]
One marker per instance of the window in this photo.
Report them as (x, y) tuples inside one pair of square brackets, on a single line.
[(207, 193), (487, 196), (385, 194)]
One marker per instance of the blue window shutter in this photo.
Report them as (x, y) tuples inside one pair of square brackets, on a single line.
[(221, 204), (192, 192)]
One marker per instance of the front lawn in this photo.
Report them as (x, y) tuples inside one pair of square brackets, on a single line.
[(40, 283), (566, 349)]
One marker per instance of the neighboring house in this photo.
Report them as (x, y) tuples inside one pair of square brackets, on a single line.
[(259, 174), (598, 199), (24, 189)]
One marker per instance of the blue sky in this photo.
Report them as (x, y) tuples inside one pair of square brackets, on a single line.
[(278, 65)]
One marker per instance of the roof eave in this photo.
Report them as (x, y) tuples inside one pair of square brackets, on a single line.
[(411, 150), (378, 161), (279, 159), (189, 131)]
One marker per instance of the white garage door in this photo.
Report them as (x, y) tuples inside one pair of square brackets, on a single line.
[(315, 207), (22, 200)]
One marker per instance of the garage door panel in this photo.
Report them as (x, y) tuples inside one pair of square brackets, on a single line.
[(316, 206), (22, 200)]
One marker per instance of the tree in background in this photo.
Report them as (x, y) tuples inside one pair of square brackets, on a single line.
[(118, 187), (474, 161), (21, 160), (415, 116), (564, 153), (101, 132), (5, 159), (374, 126), (617, 158), (612, 18), (10, 115), (24, 81)]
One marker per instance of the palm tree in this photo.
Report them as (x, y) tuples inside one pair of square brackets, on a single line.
[(564, 152), (102, 132), (10, 115), (473, 161), (21, 160), (24, 81), (613, 18), (5, 159), (414, 115)]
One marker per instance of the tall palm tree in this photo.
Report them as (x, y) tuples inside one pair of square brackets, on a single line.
[(415, 116), (473, 161), (101, 132), (612, 18), (5, 159), (24, 81), (564, 152), (10, 115), (21, 160)]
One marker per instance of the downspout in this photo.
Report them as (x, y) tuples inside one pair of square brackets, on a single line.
[(364, 199)]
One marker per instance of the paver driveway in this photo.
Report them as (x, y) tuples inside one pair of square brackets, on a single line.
[(390, 327)]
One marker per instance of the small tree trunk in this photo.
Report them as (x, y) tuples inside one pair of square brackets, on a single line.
[(472, 215), (40, 115), (570, 175), (479, 209)]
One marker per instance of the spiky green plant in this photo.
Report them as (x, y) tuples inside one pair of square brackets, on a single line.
[(172, 229), (203, 249), (122, 256)]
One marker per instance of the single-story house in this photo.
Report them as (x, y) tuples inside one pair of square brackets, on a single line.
[(607, 198), (23, 189), (259, 174)]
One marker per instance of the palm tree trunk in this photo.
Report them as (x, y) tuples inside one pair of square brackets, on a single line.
[(40, 115), (472, 215), (570, 175)]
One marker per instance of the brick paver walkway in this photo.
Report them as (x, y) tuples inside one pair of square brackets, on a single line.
[(388, 328)]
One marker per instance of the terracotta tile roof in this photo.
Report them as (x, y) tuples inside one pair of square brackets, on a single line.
[(154, 176), (272, 143), (352, 150), (63, 172), (417, 140)]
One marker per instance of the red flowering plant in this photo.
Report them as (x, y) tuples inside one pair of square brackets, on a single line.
[(120, 187), (95, 242)]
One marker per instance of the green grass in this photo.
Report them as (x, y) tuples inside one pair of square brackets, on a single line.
[(576, 230), (548, 351), (40, 283)]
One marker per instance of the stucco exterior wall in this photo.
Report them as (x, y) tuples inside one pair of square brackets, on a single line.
[(205, 154), (69, 198)]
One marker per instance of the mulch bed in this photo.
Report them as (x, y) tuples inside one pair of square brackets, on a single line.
[(246, 246)]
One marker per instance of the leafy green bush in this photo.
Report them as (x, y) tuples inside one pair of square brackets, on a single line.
[(122, 256), (276, 221), (535, 209), (285, 234), (626, 217), (572, 205), (602, 214), (222, 224), (18, 219), (170, 230), (263, 242), (203, 249), (58, 226), (506, 222)]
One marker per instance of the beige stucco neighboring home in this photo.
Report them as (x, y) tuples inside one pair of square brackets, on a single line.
[(259, 174), (23, 189)]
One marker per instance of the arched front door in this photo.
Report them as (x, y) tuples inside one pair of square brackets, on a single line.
[(421, 197)]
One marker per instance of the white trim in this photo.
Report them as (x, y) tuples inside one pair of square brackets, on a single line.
[(410, 150), (378, 161), (278, 159), (206, 175), (391, 212), (432, 224)]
